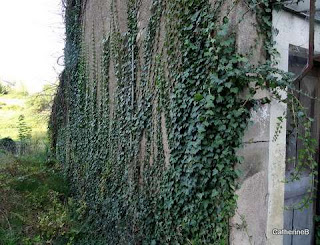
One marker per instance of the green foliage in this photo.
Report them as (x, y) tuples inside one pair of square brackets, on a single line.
[(34, 202), (206, 98), (41, 102), (12, 107), (8, 145), (53, 222), (24, 134), (34, 108), (3, 89), (2, 104), (18, 91), (24, 129)]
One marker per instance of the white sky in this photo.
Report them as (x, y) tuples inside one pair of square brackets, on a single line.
[(31, 41)]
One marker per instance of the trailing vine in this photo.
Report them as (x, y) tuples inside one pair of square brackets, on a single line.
[(197, 87), (302, 123)]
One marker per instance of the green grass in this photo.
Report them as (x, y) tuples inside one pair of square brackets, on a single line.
[(34, 202), (35, 207), (10, 109)]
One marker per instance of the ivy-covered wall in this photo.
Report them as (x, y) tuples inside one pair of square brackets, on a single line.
[(151, 112)]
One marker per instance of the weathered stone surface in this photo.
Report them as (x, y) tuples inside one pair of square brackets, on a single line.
[(256, 156), (259, 128), (249, 224)]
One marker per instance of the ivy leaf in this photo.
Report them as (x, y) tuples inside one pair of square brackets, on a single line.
[(214, 193), (234, 90), (209, 101), (198, 97), (220, 166), (228, 84)]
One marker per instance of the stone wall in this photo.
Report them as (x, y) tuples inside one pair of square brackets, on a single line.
[(101, 19)]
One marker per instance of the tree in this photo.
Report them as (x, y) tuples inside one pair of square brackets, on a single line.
[(24, 133)]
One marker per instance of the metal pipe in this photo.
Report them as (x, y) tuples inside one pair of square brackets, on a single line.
[(309, 65)]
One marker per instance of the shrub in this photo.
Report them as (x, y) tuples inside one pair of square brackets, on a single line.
[(8, 145)]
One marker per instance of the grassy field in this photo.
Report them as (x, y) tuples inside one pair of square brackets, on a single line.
[(35, 202), (10, 110), (35, 207)]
